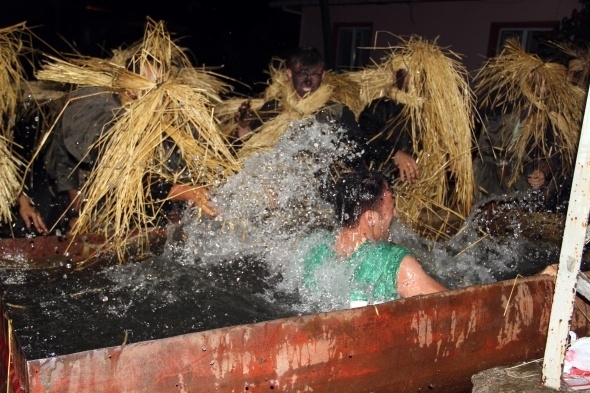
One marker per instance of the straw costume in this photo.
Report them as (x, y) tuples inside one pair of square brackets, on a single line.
[(578, 65), (434, 111), (282, 107), (157, 131), (12, 80), (534, 117)]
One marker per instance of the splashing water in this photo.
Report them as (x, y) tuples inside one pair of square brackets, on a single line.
[(273, 201), (273, 205)]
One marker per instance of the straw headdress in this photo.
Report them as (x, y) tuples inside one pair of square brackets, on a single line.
[(173, 110), (438, 110), (540, 94)]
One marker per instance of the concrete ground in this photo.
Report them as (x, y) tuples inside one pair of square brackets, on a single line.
[(521, 378)]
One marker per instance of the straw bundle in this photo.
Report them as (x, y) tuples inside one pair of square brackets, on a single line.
[(438, 110), (293, 109), (11, 181), (209, 83), (345, 90), (540, 95), (165, 117), (11, 73), (12, 78)]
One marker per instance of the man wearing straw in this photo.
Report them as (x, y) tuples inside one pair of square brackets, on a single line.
[(297, 92), (530, 140), (143, 123), (418, 123), (13, 42), (390, 148)]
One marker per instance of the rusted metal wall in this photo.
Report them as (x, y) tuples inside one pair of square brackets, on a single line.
[(426, 343), (45, 252), (13, 373)]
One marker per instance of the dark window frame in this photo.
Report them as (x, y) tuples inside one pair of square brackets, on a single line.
[(497, 28), (337, 29)]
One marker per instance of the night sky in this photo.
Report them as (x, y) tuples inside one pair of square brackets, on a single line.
[(240, 36)]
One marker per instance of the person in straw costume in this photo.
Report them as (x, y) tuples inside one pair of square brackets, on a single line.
[(531, 128), (296, 92), (13, 42), (146, 132), (418, 122), (390, 148)]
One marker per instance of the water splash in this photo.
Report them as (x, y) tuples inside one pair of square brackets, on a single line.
[(274, 200)]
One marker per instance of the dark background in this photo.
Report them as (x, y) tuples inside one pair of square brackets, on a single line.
[(239, 36)]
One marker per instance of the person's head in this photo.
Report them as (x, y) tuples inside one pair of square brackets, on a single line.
[(147, 67), (365, 200), (305, 69)]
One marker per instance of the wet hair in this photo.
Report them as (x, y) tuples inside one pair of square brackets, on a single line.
[(306, 56), (356, 193)]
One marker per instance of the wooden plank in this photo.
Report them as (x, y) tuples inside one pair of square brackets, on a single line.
[(570, 261)]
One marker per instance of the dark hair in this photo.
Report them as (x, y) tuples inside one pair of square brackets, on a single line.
[(357, 192), (306, 56)]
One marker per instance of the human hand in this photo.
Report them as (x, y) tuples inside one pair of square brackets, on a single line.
[(202, 200), (30, 215), (408, 168), (537, 178), (243, 117)]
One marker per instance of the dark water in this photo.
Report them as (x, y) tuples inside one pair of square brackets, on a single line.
[(62, 312)]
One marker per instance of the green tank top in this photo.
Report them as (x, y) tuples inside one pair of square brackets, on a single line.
[(374, 267)]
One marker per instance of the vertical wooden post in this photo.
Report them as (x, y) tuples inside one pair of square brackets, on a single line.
[(569, 261)]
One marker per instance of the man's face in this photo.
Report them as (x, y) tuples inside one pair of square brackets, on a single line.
[(306, 80)]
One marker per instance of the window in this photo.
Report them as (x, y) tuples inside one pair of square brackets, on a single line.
[(528, 38), (351, 40), (528, 34)]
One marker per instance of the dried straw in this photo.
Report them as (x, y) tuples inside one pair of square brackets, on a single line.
[(439, 109), (11, 181), (168, 110), (541, 95), (14, 40), (345, 90)]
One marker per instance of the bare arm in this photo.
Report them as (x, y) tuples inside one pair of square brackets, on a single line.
[(412, 280)]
